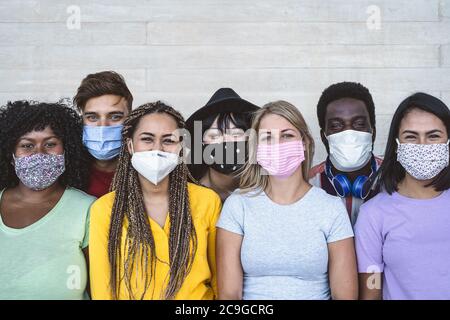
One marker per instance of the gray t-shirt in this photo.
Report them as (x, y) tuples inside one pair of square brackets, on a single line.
[(284, 251)]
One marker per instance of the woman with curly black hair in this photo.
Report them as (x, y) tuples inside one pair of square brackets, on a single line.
[(44, 218)]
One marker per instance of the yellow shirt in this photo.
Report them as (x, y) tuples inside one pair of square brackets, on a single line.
[(200, 283)]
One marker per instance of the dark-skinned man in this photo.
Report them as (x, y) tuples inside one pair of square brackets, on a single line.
[(346, 114)]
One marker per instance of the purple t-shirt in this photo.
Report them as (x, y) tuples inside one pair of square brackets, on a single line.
[(409, 241)]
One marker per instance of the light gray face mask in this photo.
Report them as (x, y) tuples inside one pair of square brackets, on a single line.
[(39, 171), (423, 161)]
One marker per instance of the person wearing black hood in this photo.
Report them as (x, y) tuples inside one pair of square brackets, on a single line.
[(219, 140)]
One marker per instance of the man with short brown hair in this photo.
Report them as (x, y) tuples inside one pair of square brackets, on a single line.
[(104, 101)]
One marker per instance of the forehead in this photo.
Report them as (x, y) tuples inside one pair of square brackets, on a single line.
[(35, 135), (106, 103), (157, 123), (346, 108), (421, 120), (275, 122)]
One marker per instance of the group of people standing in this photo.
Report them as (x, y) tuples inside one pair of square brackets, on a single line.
[(105, 201)]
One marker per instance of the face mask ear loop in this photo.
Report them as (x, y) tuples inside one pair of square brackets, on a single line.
[(132, 147), (448, 143), (13, 162), (181, 154), (398, 144)]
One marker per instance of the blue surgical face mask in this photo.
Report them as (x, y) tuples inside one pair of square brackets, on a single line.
[(103, 142)]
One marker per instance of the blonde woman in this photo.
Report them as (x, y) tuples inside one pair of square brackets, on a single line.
[(154, 236), (278, 237)]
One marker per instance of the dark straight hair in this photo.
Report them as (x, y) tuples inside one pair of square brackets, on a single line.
[(242, 120), (391, 171)]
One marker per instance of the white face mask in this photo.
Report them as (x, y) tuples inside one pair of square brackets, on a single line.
[(350, 150), (154, 165), (423, 161)]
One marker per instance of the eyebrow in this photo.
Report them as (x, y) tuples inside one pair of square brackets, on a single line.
[(31, 139), (227, 129), (282, 131), (335, 119), (434, 131), (152, 135), (231, 128), (110, 113), (352, 119), (428, 132), (146, 134)]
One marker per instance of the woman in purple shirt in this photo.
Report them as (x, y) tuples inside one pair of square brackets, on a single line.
[(403, 234)]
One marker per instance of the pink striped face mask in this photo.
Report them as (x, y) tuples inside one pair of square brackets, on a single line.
[(280, 160)]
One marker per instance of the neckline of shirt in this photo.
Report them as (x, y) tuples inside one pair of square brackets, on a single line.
[(36, 224)]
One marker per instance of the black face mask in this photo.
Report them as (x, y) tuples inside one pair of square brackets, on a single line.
[(226, 157)]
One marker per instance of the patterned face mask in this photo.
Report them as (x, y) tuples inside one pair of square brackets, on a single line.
[(423, 161), (39, 171)]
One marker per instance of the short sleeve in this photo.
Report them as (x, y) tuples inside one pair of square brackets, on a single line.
[(232, 215), (368, 241), (341, 227), (85, 242)]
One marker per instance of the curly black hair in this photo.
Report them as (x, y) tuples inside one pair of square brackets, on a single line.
[(20, 117), (345, 90)]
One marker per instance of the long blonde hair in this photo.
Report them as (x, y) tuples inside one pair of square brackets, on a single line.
[(251, 177)]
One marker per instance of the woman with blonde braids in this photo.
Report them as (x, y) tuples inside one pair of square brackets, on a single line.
[(153, 237)]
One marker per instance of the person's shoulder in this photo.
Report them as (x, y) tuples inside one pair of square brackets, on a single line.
[(201, 193), (380, 199), (325, 206), (240, 196), (103, 205), (321, 196), (376, 207), (107, 199), (79, 196), (204, 202), (446, 194), (76, 205)]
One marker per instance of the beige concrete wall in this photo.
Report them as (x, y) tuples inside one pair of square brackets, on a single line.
[(182, 51)]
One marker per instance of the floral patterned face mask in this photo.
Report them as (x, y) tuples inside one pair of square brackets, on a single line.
[(39, 171), (423, 161)]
